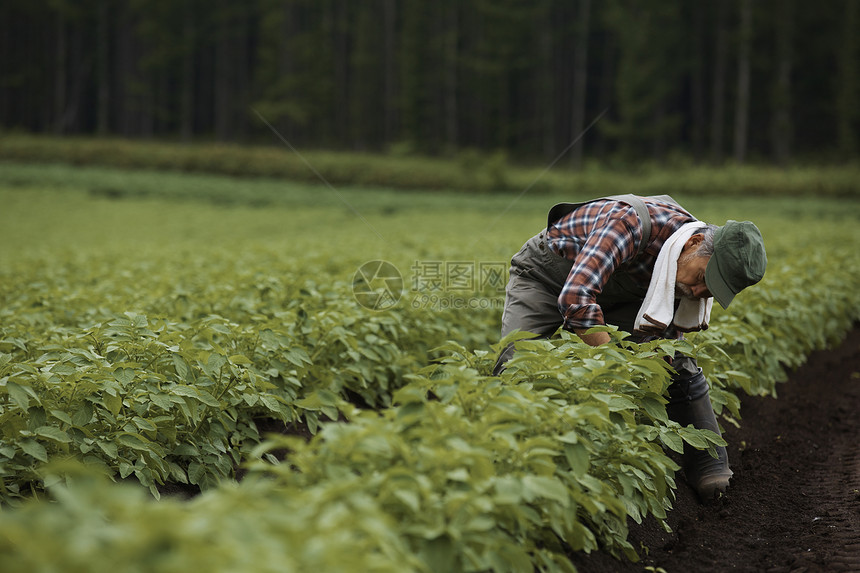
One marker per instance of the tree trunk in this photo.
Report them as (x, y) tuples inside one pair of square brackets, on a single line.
[(60, 81), (103, 73), (607, 87), (543, 111), (340, 40), (697, 87), (451, 65), (362, 89), (848, 109), (781, 128), (123, 63), (243, 75), (580, 77), (390, 82), (5, 67), (479, 120), (718, 105), (80, 61), (223, 73), (186, 98), (743, 99)]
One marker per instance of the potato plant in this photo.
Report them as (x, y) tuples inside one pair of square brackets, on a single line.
[(159, 356)]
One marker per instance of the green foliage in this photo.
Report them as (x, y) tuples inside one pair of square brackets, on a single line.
[(439, 76), (645, 80), (494, 470), (95, 527), (177, 401), (152, 341)]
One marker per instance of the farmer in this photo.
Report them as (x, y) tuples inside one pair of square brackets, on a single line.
[(647, 266)]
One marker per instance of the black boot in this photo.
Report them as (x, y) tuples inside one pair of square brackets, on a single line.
[(689, 403)]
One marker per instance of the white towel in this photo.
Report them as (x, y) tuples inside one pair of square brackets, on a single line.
[(658, 308)]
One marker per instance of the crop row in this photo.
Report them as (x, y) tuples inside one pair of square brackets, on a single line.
[(463, 471), (466, 472), (179, 399)]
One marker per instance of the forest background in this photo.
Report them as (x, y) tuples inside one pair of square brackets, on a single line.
[(706, 81)]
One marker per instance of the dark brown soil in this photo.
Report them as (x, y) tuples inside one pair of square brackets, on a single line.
[(794, 502)]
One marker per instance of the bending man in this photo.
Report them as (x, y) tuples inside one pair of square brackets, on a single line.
[(647, 266)]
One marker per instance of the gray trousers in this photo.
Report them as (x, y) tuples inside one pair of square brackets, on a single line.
[(537, 276)]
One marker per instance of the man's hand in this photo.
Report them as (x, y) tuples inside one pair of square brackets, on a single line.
[(595, 338)]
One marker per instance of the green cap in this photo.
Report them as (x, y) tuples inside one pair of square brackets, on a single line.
[(738, 261)]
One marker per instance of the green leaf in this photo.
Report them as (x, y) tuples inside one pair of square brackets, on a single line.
[(177, 473), (459, 474), (123, 376), (654, 408), (547, 487), (409, 498), (182, 368), (18, 396), (569, 438), (82, 416), (163, 401), (112, 403), (196, 471), (439, 554), (297, 357), (214, 364), (186, 450), (53, 433), (673, 441), (186, 391), (143, 424), (62, 416), (509, 490), (63, 369), (694, 438), (619, 403), (578, 457), (108, 448), (125, 469), (208, 398), (134, 441), (272, 403), (35, 449)]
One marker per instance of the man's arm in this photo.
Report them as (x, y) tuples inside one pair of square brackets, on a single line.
[(608, 245)]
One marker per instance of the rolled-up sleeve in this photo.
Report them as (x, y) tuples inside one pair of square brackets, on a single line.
[(599, 242)]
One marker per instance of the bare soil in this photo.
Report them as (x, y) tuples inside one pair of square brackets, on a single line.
[(794, 501)]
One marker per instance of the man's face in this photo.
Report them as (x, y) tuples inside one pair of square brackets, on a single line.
[(690, 279)]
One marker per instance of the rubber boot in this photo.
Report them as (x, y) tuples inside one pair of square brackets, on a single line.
[(689, 403)]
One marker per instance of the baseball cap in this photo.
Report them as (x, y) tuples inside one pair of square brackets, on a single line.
[(738, 261)]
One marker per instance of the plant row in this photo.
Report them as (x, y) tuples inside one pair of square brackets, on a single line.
[(182, 399), (464, 472)]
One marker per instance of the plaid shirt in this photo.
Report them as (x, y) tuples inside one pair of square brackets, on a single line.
[(602, 237)]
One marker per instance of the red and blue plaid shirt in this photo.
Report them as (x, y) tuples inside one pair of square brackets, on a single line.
[(602, 237)]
